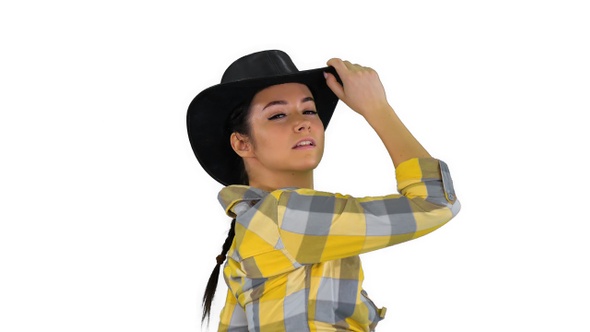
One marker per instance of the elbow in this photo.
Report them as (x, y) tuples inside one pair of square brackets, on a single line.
[(431, 216)]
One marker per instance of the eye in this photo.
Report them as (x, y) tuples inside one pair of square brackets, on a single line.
[(277, 116), (310, 112)]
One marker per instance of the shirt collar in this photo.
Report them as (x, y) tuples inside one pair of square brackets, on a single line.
[(232, 198)]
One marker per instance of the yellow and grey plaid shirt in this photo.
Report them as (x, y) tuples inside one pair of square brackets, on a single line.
[(294, 263)]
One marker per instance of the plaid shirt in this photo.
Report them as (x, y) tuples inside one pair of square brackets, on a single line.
[(294, 263)]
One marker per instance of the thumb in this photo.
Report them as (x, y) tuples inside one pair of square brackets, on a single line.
[(334, 85)]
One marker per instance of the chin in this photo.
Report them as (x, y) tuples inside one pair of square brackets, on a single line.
[(309, 166), (311, 162)]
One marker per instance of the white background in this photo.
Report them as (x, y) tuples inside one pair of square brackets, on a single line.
[(108, 223)]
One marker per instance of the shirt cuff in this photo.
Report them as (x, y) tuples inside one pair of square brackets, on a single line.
[(425, 170)]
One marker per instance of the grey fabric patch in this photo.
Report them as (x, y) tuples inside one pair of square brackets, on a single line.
[(447, 181), (241, 207), (321, 204), (389, 217), (245, 217), (373, 315), (253, 313), (436, 194), (236, 256), (324, 311), (299, 202), (279, 245), (319, 224), (336, 299), (254, 194), (322, 213), (295, 221), (296, 323), (238, 320), (456, 208), (293, 304), (308, 214), (251, 283)]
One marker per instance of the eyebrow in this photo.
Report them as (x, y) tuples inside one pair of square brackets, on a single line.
[(283, 102)]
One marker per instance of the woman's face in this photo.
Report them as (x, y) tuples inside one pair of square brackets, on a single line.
[(287, 134)]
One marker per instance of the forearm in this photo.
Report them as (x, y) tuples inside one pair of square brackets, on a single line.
[(399, 141), (362, 91)]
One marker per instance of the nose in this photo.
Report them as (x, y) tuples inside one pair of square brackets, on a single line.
[(302, 126), (301, 122)]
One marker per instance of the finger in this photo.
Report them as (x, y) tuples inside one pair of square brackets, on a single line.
[(337, 63), (333, 84), (339, 66)]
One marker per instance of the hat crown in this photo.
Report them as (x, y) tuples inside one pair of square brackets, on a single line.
[(259, 65)]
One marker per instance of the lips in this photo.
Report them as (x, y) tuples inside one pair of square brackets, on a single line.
[(305, 143)]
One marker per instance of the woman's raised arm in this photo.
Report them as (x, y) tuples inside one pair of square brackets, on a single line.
[(363, 92)]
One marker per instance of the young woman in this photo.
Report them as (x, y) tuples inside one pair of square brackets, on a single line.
[(292, 251)]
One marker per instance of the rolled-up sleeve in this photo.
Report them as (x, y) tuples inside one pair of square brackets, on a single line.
[(317, 226)]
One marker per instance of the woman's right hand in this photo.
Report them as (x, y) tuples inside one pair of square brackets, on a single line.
[(363, 92), (362, 89)]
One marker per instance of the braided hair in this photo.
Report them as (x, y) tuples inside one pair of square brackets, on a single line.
[(214, 278), (237, 122)]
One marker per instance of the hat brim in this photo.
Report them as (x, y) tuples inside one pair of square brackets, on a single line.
[(209, 111)]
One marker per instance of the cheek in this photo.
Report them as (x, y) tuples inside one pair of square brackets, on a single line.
[(267, 140), (318, 126)]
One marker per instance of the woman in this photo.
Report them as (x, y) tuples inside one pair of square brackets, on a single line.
[(293, 252)]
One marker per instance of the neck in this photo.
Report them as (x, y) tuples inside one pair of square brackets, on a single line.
[(271, 182)]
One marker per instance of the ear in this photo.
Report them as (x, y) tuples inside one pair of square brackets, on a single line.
[(241, 145)]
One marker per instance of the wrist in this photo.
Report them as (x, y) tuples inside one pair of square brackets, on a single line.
[(378, 114)]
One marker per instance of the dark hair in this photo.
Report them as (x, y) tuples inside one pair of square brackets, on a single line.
[(237, 122), (214, 278)]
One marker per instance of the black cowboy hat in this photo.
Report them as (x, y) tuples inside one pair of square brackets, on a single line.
[(209, 111)]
